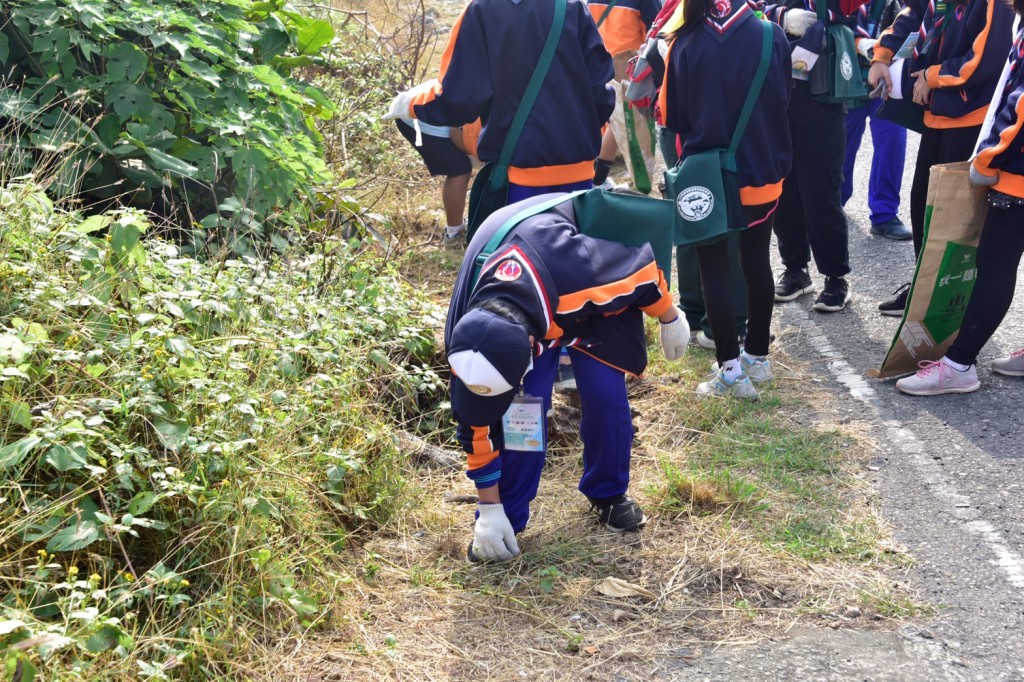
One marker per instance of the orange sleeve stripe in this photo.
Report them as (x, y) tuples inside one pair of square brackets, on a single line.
[(605, 293), (483, 449), (968, 68), (543, 176), (1006, 137), (446, 58)]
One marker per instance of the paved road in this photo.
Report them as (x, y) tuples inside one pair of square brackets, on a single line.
[(950, 479)]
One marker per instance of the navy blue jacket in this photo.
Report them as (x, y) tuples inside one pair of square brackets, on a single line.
[(1003, 149), (492, 52), (702, 108)]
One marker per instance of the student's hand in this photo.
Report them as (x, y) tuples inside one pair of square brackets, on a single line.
[(978, 179), (795, 22), (493, 537), (675, 335), (880, 72), (922, 91)]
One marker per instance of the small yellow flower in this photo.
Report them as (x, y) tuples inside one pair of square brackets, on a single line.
[(42, 554), (95, 578), (128, 576), (73, 571), (183, 583)]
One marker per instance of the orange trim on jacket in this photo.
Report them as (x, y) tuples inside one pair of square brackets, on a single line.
[(605, 293), (765, 194), (975, 118), (552, 175), (1010, 184), (934, 73)]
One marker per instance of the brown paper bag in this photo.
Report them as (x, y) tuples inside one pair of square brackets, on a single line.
[(945, 274)]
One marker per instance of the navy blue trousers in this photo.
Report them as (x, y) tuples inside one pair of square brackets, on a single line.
[(606, 430)]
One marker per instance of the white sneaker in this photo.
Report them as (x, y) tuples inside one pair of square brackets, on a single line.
[(450, 238), (718, 385), (758, 370), (704, 341), (937, 378), (1012, 366)]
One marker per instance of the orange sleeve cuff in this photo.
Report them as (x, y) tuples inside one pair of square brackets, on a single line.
[(931, 75), (881, 54)]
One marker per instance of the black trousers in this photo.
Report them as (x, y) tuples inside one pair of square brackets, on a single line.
[(810, 218), (755, 262), (938, 145), (999, 254)]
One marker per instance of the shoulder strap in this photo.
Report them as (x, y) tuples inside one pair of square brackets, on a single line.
[(499, 235), (821, 7), (607, 9), (755, 86), (500, 174)]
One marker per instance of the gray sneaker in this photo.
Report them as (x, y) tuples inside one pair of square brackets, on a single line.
[(938, 378), (1012, 366), (758, 370), (892, 229), (718, 385)]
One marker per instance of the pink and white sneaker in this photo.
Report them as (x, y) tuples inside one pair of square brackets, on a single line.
[(939, 377), (1012, 366)]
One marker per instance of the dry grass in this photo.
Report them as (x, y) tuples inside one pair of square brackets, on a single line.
[(416, 610)]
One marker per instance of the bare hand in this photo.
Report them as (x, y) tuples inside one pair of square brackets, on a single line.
[(922, 91), (878, 73)]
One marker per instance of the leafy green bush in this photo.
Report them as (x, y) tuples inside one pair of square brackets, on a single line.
[(186, 443), (186, 107)]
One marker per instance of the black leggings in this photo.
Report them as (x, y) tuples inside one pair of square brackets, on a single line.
[(999, 254), (755, 261)]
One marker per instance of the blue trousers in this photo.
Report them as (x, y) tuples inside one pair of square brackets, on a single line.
[(890, 143), (606, 430)]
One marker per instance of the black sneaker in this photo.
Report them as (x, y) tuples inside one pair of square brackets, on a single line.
[(896, 305), (892, 229), (619, 514), (792, 284), (834, 296)]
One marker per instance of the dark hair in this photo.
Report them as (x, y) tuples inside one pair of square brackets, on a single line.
[(694, 14), (505, 309), (1018, 7)]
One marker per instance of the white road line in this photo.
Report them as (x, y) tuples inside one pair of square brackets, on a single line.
[(958, 504)]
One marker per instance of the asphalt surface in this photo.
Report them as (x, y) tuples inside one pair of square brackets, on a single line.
[(949, 478)]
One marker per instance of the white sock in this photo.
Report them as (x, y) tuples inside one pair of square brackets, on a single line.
[(731, 370), (453, 230), (748, 358), (955, 365)]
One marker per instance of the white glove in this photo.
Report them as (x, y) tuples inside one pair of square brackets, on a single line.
[(865, 46), (493, 537), (795, 22), (978, 179), (400, 104), (675, 335)]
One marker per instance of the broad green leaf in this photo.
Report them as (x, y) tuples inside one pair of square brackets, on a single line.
[(271, 43), (11, 455), (74, 537), (168, 163), (172, 435), (125, 61), (4, 49), (92, 224), (313, 35), (142, 502), (64, 458), (21, 414)]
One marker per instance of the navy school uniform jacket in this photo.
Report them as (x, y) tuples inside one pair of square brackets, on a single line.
[(838, 12), (964, 67), (491, 54), (707, 77), (1003, 149), (627, 22), (575, 290)]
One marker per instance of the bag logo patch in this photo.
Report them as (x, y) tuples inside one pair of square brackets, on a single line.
[(478, 389), (846, 66), (695, 203), (509, 271)]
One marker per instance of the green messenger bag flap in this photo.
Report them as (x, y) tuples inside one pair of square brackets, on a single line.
[(836, 76)]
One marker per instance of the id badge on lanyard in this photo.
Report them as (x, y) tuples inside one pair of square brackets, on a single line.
[(523, 424)]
